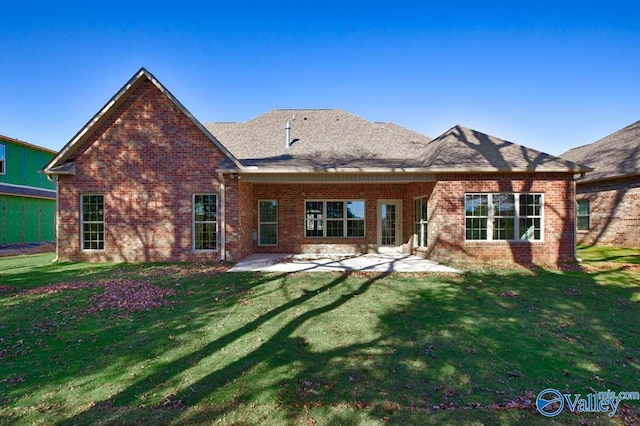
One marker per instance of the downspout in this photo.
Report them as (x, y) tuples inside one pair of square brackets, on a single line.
[(575, 219), (57, 218), (223, 227)]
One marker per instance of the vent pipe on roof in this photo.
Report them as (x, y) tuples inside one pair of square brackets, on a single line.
[(287, 139)]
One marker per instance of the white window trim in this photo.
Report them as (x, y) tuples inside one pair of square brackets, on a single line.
[(193, 223), (517, 217), (423, 222), (588, 215), (3, 159), (269, 223), (325, 220), (103, 222)]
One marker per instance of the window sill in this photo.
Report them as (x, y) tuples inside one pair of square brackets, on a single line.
[(334, 238), (503, 241)]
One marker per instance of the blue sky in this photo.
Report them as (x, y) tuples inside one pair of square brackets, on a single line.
[(547, 74)]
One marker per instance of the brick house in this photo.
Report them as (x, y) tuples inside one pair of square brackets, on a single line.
[(145, 181), (608, 199)]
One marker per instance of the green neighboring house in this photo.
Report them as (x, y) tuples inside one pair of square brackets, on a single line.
[(27, 197)]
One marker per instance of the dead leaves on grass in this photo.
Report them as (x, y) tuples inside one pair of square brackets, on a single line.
[(129, 296), (120, 296)]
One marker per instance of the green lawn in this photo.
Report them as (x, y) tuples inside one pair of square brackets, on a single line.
[(188, 344)]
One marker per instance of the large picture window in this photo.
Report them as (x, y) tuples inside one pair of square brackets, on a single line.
[(334, 218), (92, 222), (268, 223), (205, 222), (504, 216), (583, 213), (420, 222)]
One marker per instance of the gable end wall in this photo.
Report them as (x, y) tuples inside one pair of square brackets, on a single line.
[(148, 159)]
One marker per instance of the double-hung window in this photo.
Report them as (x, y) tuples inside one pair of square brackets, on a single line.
[(92, 222), (268, 223), (205, 222), (334, 218), (504, 213), (420, 222), (477, 216), (583, 214), (503, 216), (530, 217)]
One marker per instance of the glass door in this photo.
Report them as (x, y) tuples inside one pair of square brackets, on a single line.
[(389, 223)]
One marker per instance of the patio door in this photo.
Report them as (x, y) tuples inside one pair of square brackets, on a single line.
[(389, 225)]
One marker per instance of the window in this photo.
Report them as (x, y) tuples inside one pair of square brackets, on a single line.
[(583, 213), (205, 222), (93, 222), (268, 223), (506, 216), (530, 217), (334, 219), (504, 213), (477, 214), (2, 160), (420, 222)]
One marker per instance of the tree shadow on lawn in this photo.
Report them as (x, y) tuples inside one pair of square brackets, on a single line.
[(50, 340), (476, 341), (480, 341)]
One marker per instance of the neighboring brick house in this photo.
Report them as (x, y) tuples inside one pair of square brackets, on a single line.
[(27, 197), (144, 180), (609, 198)]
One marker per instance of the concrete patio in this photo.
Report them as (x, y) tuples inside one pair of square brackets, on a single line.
[(326, 263)]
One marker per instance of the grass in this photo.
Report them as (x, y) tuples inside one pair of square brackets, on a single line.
[(314, 348)]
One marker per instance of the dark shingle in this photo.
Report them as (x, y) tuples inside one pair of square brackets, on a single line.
[(615, 155), (330, 139)]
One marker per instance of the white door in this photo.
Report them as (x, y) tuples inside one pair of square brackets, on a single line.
[(389, 225)]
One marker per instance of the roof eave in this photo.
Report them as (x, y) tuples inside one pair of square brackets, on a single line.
[(27, 144), (609, 178), (112, 104), (287, 170)]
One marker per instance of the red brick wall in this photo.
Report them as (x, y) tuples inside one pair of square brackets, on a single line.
[(148, 160), (446, 227), (615, 212), (447, 220), (291, 212)]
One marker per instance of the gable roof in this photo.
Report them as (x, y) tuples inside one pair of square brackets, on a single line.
[(60, 164), (615, 155), (335, 140)]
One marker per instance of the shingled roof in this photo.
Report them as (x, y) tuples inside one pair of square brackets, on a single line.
[(613, 156), (333, 139), (461, 148), (320, 139)]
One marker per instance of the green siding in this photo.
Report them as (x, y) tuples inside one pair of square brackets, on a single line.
[(26, 220), (22, 164)]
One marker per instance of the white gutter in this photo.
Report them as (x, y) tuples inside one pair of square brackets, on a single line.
[(223, 250), (338, 170)]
